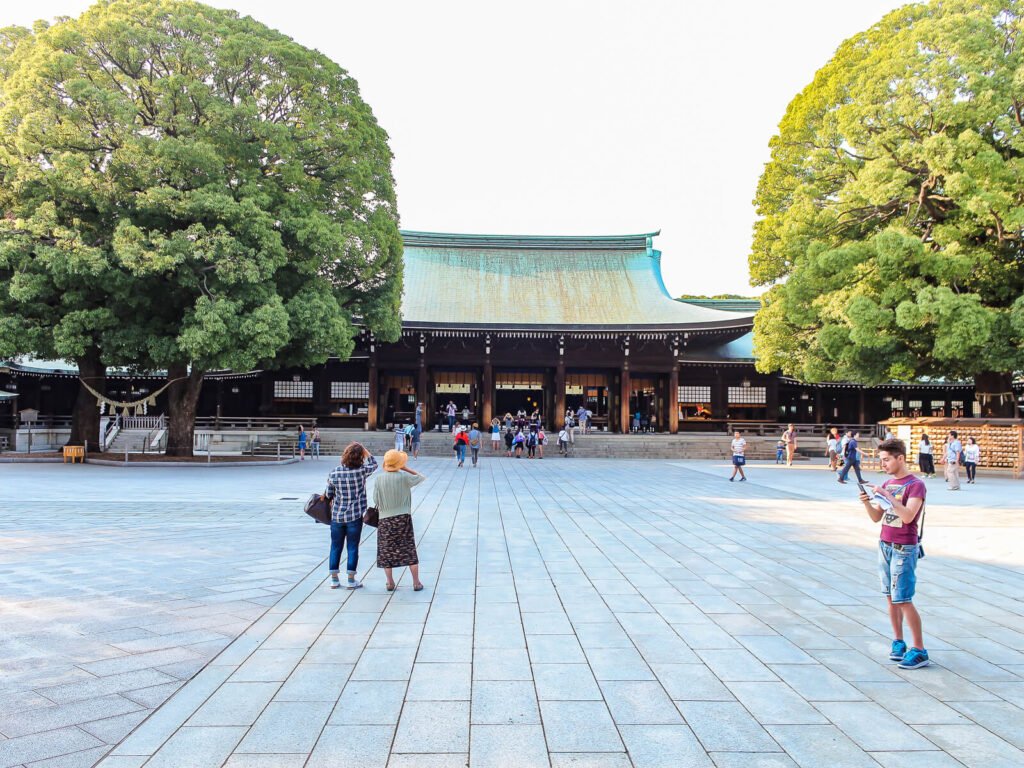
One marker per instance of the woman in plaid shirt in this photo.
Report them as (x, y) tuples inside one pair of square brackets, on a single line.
[(346, 487)]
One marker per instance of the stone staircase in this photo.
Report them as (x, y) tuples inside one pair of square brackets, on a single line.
[(599, 445), (132, 439)]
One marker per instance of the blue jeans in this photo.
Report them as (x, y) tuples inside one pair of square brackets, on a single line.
[(897, 569), (339, 533), (451, 423), (460, 451), (846, 470)]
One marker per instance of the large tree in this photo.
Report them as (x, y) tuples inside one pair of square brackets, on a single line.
[(892, 210), (226, 192)]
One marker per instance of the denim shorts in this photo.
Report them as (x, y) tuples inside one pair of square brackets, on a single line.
[(896, 570)]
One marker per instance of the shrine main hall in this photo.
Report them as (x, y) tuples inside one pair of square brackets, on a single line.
[(497, 323)]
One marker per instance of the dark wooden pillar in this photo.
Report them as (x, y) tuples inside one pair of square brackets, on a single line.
[(673, 399), (559, 393), (624, 391), (421, 393), (771, 399), (862, 416), (719, 397), (372, 403), (819, 417), (487, 396), (266, 393)]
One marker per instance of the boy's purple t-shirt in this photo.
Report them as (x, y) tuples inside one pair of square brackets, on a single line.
[(894, 530)]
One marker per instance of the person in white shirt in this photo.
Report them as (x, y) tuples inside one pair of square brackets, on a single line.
[(739, 447), (972, 455), (925, 457)]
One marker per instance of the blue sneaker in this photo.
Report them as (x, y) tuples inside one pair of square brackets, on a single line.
[(915, 658), (899, 650)]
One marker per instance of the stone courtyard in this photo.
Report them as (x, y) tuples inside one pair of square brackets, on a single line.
[(586, 613)]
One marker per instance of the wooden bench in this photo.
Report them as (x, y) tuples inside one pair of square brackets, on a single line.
[(74, 452)]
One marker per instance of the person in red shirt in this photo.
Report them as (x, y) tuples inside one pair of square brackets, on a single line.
[(898, 504)]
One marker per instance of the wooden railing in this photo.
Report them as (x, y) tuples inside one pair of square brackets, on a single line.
[(767, 428), (266, 423)]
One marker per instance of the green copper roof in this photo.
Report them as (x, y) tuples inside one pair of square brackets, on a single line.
[(510, 281), (747, 306)]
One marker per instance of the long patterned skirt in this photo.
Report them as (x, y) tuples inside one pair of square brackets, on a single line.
[(396, 542)]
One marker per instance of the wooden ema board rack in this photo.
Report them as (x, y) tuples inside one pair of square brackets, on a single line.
[(1001, 440)]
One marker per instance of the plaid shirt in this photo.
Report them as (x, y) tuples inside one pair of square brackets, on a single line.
[(347, 489)]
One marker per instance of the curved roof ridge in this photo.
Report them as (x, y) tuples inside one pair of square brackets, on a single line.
[(628, 242)]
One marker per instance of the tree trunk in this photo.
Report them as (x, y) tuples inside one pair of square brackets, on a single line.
[(994, 391), (85, 418), (182, 398)]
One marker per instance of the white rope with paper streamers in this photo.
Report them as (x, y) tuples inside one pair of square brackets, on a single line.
[(139, 407)]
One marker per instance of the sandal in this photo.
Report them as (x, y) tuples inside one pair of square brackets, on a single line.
[(390, 587), (417, 588)]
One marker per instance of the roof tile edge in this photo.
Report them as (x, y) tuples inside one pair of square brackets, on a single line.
[(634, 242)]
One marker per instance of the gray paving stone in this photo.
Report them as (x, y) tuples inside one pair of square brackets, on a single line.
[(87, 758), (433, 726), (691, 682), (385, 664), (234, 704), (1002, 718), (555, 649), (499, 746), (315, 682), (40, 746), (872, 727), (511, 664), (736, 665), (440, 682), (618, 664), (663, 746), (111, 730), (369, 702), (590, 760), (775, 703), (565, 682), (53, 717), (579, 726), (203, 747), (725, 726), (366, 746), (449, 760), (504, 702), (816, 682), (287, 727), (748, 760), (102, 686), (807, 744), (639, 703), (271, 665)]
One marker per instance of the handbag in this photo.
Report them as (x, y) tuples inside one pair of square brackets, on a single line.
[(318, 506), (371, 517), (740, 460)]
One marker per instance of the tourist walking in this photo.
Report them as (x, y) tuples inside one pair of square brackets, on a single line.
[(517, 443), (899, 505), (531, 445), (399, 437), (419, 416), (461, 441), (739, 448), (450, 410), (417, 431), (346, 488), (972, 455), (789, 438), (316, 443), (475, 439), (951, 459), (509, 440), (780, 452), (302, 443), (832, 448), (542, 440), (925, 458), (396, 540), (851, 460)]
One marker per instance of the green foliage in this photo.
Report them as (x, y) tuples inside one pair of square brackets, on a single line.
[(892, 211), (182, 185)]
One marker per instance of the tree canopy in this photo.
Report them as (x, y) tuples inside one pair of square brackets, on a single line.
[(187, 189), (892, 210)]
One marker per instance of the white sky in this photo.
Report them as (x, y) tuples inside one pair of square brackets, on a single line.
[(574, 117)]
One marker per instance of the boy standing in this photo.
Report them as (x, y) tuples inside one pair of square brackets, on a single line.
[(899, 504)]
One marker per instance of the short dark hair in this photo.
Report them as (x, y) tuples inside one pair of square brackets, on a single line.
[(893, 446), (352, 458), (952, 432)]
